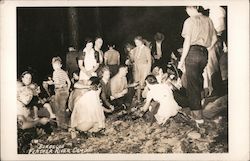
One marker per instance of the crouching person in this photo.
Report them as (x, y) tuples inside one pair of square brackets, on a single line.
[(88, 112), (160, 100), (26, 124), (121, 92)]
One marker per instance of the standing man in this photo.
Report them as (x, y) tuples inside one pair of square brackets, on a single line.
[(214, 71), (97, 48), (98, 51), (141, 57), (199, 34), (160, 51), (71, 61), (112, 59)]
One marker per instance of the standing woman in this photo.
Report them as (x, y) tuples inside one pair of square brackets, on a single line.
[(88, 62), (141, 56), (199, 34)]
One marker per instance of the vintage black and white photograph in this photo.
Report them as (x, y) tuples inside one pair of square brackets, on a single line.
[(122, 79), (125, 79)]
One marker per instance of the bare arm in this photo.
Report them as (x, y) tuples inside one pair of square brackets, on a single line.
[(118, 58), (26, 124), (80, 65), (149, 58), (80, 84), (94, 69), (105, 99), (105, 58), (146, 105), (186, 47), (68, 82)]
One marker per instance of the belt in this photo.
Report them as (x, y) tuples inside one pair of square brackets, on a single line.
[(199, 47), (60, 87)]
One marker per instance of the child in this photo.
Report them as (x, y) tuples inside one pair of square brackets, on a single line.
[(62, 85)]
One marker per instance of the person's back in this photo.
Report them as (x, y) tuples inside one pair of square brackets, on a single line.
[(201, 28), (112, 57)]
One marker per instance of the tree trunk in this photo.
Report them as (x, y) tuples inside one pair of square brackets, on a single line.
[(73, 27), (98, 22)]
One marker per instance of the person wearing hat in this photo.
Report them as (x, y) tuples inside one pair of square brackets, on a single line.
[(160, 51)]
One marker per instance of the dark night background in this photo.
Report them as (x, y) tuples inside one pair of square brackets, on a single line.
[(44, 32)]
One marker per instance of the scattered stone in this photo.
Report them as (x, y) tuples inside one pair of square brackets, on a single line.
[(137, 136), (171, 141), (161, 149), (149, 143), (194, 135)]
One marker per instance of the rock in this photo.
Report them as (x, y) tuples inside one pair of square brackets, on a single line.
[(171, 141), (116, 123), (110, 143), (161, 150), (112, 131), (148, 131), (124, 125), (68, 145), (142, 137), (136, 139), (194, 135), (178, 148), (157, 131), (149, 143), (157, 136)]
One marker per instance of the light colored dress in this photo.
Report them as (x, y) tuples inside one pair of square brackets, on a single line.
[(88, 110), (163, 94), (141, 57), (89, 63)]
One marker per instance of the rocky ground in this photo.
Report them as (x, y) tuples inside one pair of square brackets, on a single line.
[(128, 133)]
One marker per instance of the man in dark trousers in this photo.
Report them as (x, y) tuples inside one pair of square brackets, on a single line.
[(161, 51), (71, 61)]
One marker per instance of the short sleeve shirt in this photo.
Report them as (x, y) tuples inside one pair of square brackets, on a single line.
[(200, 29), (217, 15)]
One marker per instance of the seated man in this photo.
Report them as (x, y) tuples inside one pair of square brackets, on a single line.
[(121, 93)]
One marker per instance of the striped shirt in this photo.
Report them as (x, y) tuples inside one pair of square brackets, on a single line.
[(60, 78)]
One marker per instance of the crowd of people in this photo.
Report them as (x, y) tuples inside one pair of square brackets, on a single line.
[(151, 79)]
